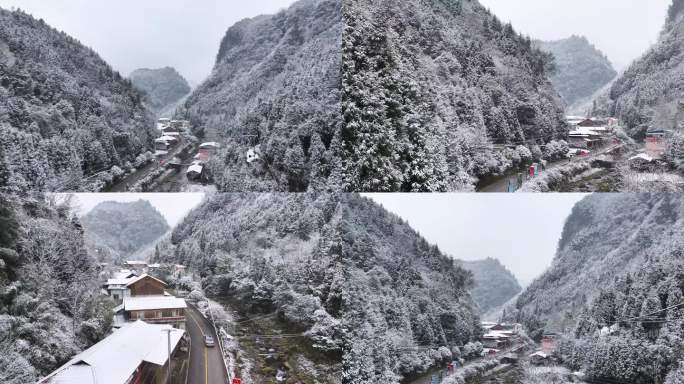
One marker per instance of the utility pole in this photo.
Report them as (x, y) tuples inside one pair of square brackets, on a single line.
[(168, 367)]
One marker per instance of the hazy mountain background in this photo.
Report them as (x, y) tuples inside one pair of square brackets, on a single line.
[(123, 231), (164, 88), (580, 69), (493, 284), (64, 113)]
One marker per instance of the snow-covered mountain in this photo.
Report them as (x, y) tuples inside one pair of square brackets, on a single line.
[(649, 93), (50, 302), (493, 284), (374, 299), (580, 68), (276, 84), (618, 270), (164, 88), (374, 96), (121, 231), (429, 86), (64, 113)]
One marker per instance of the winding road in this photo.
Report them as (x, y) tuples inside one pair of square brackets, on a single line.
[(206, 363)]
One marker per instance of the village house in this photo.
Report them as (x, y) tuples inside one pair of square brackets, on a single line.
[(499, 336), (171, 130), (136, 353), (207, 150), (165, 143), (548, 342), (145, 298), (117, 286), (163, 122), (587, 138), (195, 171), (540, 358)]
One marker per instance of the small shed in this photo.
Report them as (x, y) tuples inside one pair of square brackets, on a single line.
[(539, 358), (195, 171)]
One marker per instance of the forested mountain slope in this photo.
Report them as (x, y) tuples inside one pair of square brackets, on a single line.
[(605, 237), (50, 305), (493, 284), (362, 285), (64, 113), (429, 86), (649, 93), (616, 289), (164, 88), (275, 84), (123, 229), (581, 69)]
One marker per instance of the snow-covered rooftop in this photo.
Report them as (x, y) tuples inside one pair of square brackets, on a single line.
[(141, 303), (196, 168), (586, 131), (114, 359), (210, 145), (122, 282), (540, 354), (135, 262), (124, 273), (642, 156), (144, 276)]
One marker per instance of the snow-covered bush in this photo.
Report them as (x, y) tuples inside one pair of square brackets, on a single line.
[(196, 295), (472, 350), (554, 178), (556, 150), (676, 376), (117, 172)]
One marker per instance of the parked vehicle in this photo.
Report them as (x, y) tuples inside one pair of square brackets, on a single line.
[(209, 341)]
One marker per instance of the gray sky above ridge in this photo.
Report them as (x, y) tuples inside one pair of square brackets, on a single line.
[(173, 206), (186, 34), (521, 230), (622, 29), (132, 34)]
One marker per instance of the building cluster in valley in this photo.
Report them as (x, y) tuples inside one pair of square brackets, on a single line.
[(588, 134), (591, 133), (170, 134), (501, 337), (148, 332)]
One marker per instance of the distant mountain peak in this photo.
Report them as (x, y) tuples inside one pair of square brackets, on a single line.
[(164, 87), (123, 229)]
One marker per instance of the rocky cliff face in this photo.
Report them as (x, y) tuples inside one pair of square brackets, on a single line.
[(276, 84)]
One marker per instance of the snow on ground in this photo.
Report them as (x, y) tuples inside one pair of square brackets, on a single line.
[(652, 182), (549, 375)]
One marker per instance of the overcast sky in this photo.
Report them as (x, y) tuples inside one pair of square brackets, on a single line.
[(622, 29), (521, 230), (185, 34), (173, 206), (132, 34)]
